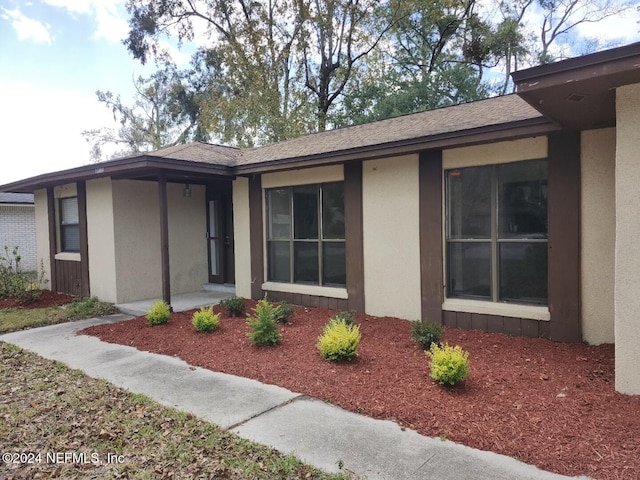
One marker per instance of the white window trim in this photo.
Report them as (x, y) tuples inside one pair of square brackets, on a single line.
[(515, 310), (70, 256), (315, 290)]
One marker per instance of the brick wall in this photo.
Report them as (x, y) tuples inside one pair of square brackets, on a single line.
[(18, 227)]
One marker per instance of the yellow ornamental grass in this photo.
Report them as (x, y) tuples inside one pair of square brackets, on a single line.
[(339, 341), (449, 365)]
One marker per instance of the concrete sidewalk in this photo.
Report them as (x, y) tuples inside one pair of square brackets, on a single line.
[(316, 432)]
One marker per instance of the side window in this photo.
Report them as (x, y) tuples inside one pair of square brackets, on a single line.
[(305, 234), (497, 232), (69, 225)]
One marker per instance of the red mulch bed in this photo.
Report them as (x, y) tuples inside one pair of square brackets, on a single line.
[(545, 403), (47, 299)]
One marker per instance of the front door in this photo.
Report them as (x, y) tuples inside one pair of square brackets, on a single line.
[(220, 236)]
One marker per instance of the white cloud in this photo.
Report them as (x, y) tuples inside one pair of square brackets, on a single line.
[(45, 130), (110, 16), (28, 28)]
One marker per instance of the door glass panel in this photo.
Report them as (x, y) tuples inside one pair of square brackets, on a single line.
[(213, 243), (470, 269), (523, 272), (214, 240)]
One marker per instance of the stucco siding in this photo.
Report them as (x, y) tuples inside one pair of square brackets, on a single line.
[(100, 237), (627, 252), (598, 226), (241, 237), (391, 237), (495, 153)]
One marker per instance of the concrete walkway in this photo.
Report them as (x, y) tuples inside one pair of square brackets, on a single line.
[(316, 432)]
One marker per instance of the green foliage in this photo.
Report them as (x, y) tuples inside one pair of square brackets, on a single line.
[(426, 333), (234, 306), (13, 281), (159, 313), (283, 312), (204, 320), (87, 307), (347, 317), (339, 341), (449, 365), (264, 327)]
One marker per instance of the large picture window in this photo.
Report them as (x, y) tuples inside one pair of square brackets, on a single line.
[(497, 232), (305, 234), (69, 225)]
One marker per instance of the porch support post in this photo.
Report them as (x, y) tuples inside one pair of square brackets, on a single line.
[(51, 214), (81, 188), (256, 237), (164, 238), (354, 235)]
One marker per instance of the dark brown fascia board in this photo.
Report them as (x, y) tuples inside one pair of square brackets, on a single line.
[(489, 134), (115, 168), (587, 67)]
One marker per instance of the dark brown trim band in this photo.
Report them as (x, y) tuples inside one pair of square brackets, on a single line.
[(164, 237), (430, 211), (564, 237), (308, 300), (256, 236), (354, 235), (81, 190), (51, 217)]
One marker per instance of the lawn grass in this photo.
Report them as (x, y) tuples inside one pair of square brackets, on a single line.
[(12, 319), (51, 410)]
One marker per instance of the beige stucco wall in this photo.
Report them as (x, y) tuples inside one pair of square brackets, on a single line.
[(598, 237), (627, 252), (42, 234), (101, 235), (391, 237), (137, 239), (241, 237)]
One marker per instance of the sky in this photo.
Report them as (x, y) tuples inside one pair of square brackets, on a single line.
[(55, 54)]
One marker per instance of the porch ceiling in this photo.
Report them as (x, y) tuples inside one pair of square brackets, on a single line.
[(579, 93)]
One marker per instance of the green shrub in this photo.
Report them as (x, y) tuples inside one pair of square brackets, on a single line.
[(204, 320), (87, 307), (159, 313), (283, 312), (264, 327), (13, 281), (234, 306), (449, 365), (426, 333), (339, 340), (348, 317)]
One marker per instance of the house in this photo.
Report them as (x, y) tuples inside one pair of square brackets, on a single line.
[(514, 214), (18, 228)]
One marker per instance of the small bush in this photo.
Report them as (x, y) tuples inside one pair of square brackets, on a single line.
[(205, 321), (159, 313), (83, 307), (426, 333), (30, 295), (449, 365), (339, 341), (284, 312), (348, 317), (264, 327), (234, 306)]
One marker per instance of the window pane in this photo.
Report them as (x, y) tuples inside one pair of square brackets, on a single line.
[(69, 211), (305, 211), (470, 269), (333, 210), (279, 206), (278, 269), (522, 200), (70, 236), (469, 202), (305, 262), (523, 272), (333, 265)]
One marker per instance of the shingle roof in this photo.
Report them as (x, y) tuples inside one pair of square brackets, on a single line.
[(16, 198), (199, 152), (458, 118)]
